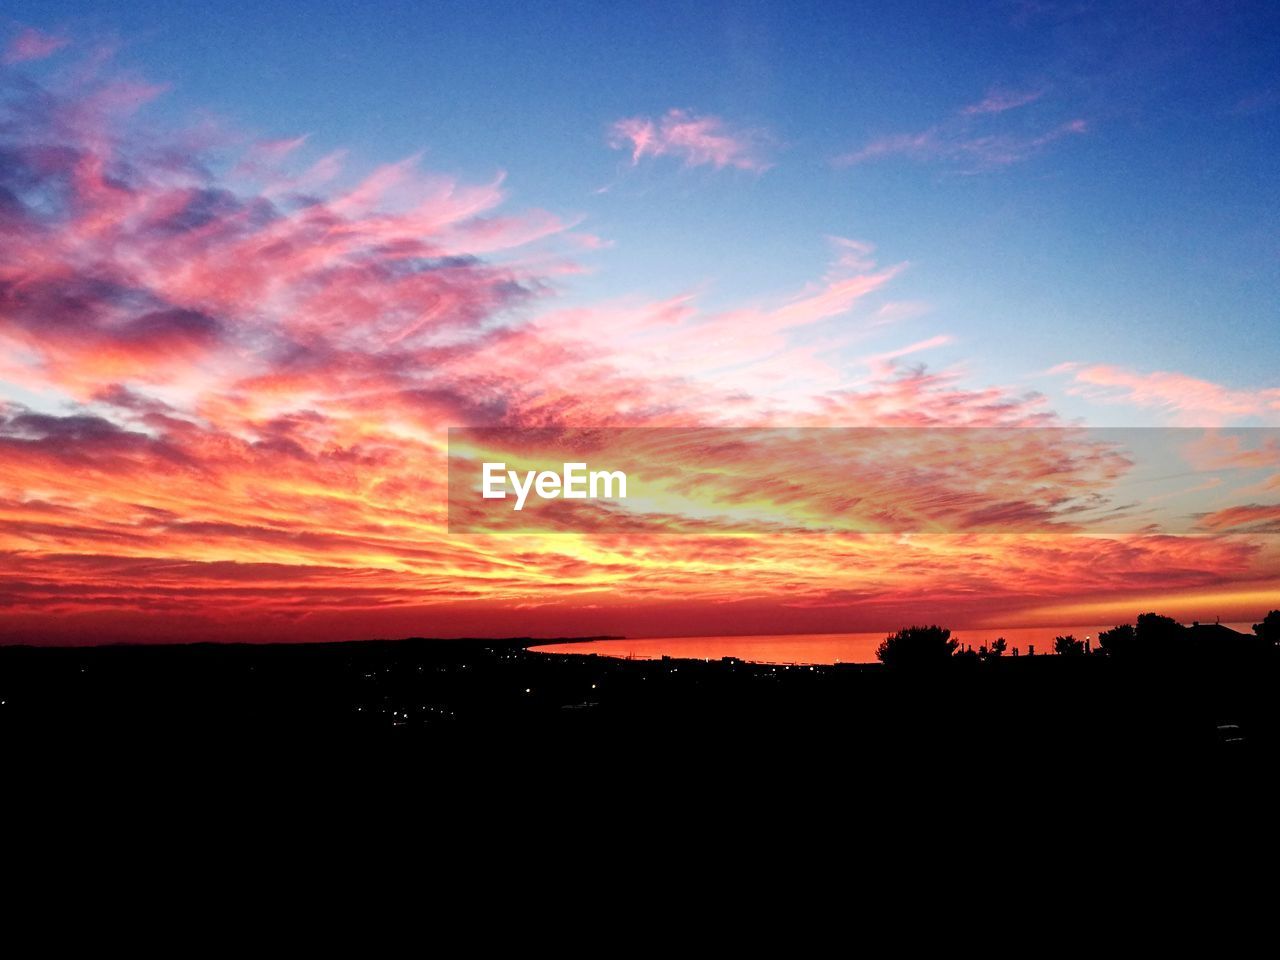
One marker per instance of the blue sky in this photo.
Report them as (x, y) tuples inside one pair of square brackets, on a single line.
[(1146, 239)]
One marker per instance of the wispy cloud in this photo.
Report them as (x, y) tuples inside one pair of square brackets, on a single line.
[(998, 101), (884, 364), (32, 44), (971, 139), (1190, 400), (692, 139), (1261, 101)]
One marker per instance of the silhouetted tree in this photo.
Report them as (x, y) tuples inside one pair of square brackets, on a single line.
[(1118, 641), (917, 646), (1153, 636), (1068, 646), (1269, 629), (998, 646), (1154, 630)]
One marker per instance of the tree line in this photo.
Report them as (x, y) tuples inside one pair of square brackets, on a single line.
[(1150, 636)]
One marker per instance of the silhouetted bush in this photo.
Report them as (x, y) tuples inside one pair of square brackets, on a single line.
[(1153, 636), (917, 646), (1068, 646), (1119, 641), (1269, 629), (1156, 631)]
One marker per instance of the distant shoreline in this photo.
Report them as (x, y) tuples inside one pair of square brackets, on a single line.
[(522, 642)]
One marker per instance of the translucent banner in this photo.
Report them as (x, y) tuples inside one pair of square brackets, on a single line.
[(712, 480)]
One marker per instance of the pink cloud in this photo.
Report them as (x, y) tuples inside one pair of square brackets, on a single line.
[(962, 146), (916, 397), (998, 101), (1189, 399), (32, 44), (697, 141), (972, 138), (1246, 518), (851, 254), (896, 310), (1215, 450), (884, 364), (265, 156), (919, 144)]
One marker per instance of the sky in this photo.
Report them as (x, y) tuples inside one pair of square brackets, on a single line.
[(256, 259)]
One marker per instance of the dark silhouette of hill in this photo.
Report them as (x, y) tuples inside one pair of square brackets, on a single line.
[(1154, 688)]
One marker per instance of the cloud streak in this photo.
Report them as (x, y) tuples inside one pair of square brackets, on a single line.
[(1190, 400), (694, 140), (976, 138), (998, 101), (32, 44)]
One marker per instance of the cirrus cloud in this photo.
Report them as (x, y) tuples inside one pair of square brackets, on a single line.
[(32, 44), (694, 140), (1190, 400), (972, 139)]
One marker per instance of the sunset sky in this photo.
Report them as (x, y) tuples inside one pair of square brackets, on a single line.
[(256, 259)]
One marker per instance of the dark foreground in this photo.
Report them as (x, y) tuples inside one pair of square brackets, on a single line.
[(440, 691)]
